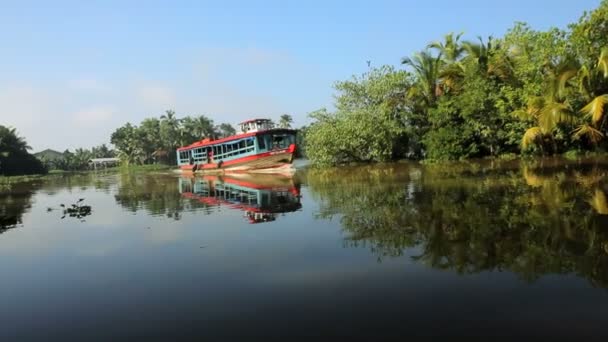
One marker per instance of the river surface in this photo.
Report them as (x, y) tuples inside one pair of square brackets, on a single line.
[(504, 249)]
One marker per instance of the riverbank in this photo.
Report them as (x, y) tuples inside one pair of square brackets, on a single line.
[(6, 182)]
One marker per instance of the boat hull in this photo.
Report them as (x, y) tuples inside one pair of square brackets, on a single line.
[(267, 162)]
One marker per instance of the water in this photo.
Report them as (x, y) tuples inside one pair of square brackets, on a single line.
[(465, 249)]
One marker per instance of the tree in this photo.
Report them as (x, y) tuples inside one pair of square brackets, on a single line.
[(128, 142), (371, 122), (226, 130), (197, 128), (450, 49), (427, 70), (285, 121), (14, 156)]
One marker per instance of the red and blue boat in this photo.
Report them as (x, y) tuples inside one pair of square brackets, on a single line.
[(259, 146)]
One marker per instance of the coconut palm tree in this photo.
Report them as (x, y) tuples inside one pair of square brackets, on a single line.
[(285, 121), (11, 141), (199, 127), (170, 130), (427, 71), (554, 108), (450, 48), (226, 130), (593, 85), (490, 58), (451, 52)]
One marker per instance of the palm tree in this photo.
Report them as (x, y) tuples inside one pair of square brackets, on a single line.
[(553, 109), (285, 121), (490, 58), (11, 141), (594, 87), (198, 127), (547, 111), (427, 71), (226, 130), (450, 49), (451, 69), (169, 129)]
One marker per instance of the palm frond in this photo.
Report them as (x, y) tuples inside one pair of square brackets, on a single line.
[(584, 77), (533, 136), (599, 202), (535, 105), (554, 113), (602, 63), (522, 115), (588, 131), (596, 109), (565, 72)]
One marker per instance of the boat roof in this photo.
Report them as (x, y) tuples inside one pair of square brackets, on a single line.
[(253, 120)]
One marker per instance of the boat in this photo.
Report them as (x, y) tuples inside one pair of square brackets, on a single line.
[(261, 197), (257, 147)]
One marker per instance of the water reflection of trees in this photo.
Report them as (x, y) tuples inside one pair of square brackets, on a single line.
[(16, 200), (532, 219), (156, 194), (13, 205)]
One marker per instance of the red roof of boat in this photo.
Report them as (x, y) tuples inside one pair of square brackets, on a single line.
[(207, 142)]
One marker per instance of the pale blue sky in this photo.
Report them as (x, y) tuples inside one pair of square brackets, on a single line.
[(73, 71)]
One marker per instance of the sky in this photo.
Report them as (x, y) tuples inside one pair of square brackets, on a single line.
[(71, 72)]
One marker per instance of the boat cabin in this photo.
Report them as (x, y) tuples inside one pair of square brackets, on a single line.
[(255, 125)]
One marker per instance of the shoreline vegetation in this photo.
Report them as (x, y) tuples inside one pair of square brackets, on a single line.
[(6, 182), (529, 93)]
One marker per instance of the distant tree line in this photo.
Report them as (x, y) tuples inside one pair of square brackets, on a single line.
[(76, 161), (155, 140), (529, 92)]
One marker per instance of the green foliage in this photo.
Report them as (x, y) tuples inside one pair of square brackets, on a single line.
[(156, 139), (371, 122), (77, 160), (285, 121)]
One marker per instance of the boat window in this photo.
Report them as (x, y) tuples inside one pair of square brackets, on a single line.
[(261, 142)]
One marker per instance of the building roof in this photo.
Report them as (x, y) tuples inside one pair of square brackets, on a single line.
[(49, 154)]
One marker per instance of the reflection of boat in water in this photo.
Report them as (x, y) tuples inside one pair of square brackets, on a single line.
[(262, 197)]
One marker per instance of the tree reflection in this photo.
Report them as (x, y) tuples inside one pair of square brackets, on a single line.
[(531, 219), (13, 205), (155, 194)]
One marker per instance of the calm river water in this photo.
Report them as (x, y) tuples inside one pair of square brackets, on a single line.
[(466, 249)]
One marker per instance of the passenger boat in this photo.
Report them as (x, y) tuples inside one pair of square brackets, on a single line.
[(261, 197), (258, 146)]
